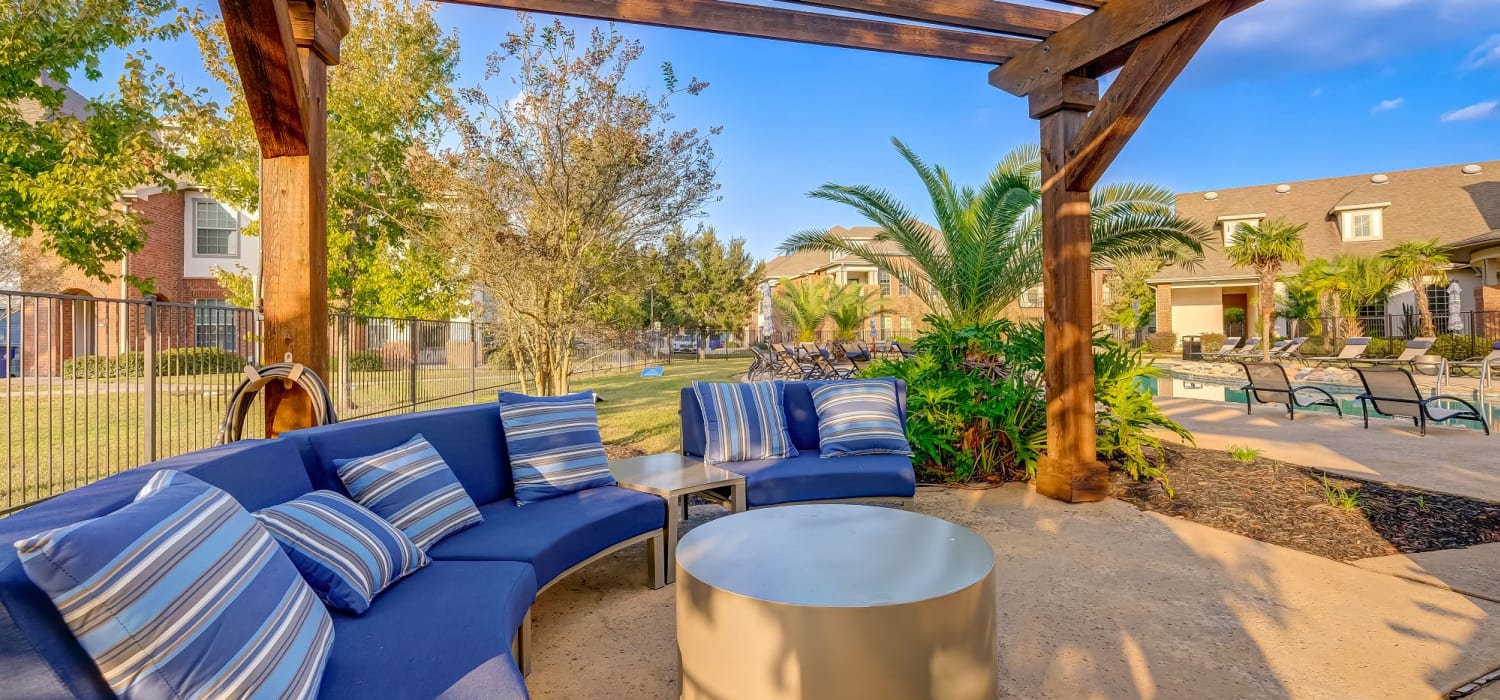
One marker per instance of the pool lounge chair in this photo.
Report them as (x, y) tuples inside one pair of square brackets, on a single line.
[(1290, 349), (1353, 349), (1224, 350), (1391, 391), (1411, 357), (795, 368), (1478, 366), (1269, 384), (1248, 350)]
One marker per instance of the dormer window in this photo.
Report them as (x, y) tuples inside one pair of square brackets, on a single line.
[(1231, 225), (1361, 223)]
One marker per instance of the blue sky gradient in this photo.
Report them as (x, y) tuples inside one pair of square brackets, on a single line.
[(1288, 90)]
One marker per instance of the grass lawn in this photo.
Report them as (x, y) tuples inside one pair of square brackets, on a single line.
[(641, 412)]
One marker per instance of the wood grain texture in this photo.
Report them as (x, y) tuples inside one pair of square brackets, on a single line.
[(1096, 36), (265, 54), (787, 25), (987, 15), (1071, 470), (1156, 62)]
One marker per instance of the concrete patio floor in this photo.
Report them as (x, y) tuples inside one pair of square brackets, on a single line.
[(1450, 460), (1095, 601)]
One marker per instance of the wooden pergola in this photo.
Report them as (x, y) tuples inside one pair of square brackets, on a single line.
[(1054, 57)]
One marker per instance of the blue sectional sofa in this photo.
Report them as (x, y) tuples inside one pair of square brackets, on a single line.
[(446, 631), (808, 477)]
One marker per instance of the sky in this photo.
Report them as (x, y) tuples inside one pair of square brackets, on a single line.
[(1287, 90)]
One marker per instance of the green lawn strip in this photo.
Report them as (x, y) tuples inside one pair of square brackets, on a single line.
[(642, 411)]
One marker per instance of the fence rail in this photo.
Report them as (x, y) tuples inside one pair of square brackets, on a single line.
[(92, 386), (1462, 335)]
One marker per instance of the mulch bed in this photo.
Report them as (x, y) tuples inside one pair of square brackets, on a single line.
[(1286, 504)]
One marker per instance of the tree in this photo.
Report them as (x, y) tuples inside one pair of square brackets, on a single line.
[(555, 193), (385, 99), (704, 284), (1301, 304), (1346, 284), (1416, 262), (1265, 249), (63, 164), (852, 305), (1131, 300), (985, 249), (804, 304)]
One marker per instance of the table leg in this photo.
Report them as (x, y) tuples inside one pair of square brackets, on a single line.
[(737, 497), (675, 513)]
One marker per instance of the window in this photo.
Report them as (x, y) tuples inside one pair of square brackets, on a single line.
[(215, 324), (1362, 225), (1437, 305), (905, 326), (1232, 226), (885, 283), (1033, 298), (217, 228), (1372, 319), (902, 289), (885, 326)]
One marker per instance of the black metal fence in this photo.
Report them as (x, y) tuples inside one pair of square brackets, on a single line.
[(91, 386)]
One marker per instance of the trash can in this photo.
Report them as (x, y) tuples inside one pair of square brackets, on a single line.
[(1192, 347)]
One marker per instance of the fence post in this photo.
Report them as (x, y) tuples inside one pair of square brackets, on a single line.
[(411, 334), (150, 375), (474, 357)]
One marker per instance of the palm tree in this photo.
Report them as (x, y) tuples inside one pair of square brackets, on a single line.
[(851, 306), (805, 305), (1416, 262), (1321, 278), (985, 249), (1265, 248), (1349, 282)]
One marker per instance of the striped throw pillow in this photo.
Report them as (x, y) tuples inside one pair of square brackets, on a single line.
[(345, 552), (412, 488), (859, 418), (554, 445), (744, 422), (182, 594)]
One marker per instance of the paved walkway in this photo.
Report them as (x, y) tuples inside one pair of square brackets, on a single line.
[(1096, 601), (1450, 460)]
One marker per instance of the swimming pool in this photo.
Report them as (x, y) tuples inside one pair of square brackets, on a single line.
[(1209, 390)]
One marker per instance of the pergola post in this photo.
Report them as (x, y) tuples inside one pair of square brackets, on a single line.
[(1071, 470)]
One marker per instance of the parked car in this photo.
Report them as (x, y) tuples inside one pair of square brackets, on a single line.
[(684, 343)]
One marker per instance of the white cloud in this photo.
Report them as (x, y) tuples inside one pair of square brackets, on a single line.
[(1317, 92), (1484, 55), (1388, 105), (1483, 110)]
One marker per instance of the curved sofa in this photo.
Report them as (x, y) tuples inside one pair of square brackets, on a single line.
[(808, 477), (457, 628)]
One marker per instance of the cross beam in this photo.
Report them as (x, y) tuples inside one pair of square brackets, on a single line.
[(984, 15), (742, 19)]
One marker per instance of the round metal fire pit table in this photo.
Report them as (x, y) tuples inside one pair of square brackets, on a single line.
[(835, 601)]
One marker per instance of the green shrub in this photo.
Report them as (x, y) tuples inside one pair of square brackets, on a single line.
[(366, 361), (1162, 343), (1462, 347), (177, 362)]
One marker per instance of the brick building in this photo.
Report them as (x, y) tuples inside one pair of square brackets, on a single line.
[(1459, 205), (903, 311)]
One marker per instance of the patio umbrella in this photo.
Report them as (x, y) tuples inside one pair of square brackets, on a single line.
[(1455, 308), (767, 313), (872, 330)]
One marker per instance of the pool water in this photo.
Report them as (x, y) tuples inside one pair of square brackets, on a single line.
[(1194, 388)]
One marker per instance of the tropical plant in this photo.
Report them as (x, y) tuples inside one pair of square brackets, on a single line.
[(1346, 284), (804, 304), (1417, 262), (1266, 248), (984, 249), (1300, 305), (851, 306)]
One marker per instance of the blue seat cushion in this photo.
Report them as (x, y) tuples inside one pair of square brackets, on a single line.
[(443, 632), (556, 534), (809, 477)]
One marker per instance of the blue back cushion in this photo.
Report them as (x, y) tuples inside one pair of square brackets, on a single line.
[(743, 421), (469, 438), (34, 641), (554, 445), (345, 552), (859, 417), (413, 488), (182, 593)]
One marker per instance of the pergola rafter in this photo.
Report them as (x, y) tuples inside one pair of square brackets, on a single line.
[(1051, 56)]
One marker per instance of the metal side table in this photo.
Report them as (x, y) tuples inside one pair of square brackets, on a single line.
[(674, 477)]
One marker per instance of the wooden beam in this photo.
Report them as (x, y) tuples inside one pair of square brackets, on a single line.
[(1071, 470), (1090, 39), (787, 25), (986, 15), (265, 54), (1089, 4), (1150, 70)]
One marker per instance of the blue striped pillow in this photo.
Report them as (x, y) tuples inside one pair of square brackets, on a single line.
[(744, 422), (345, 552), (554, 445), (859, 417), (412, 488), (183, 594)]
